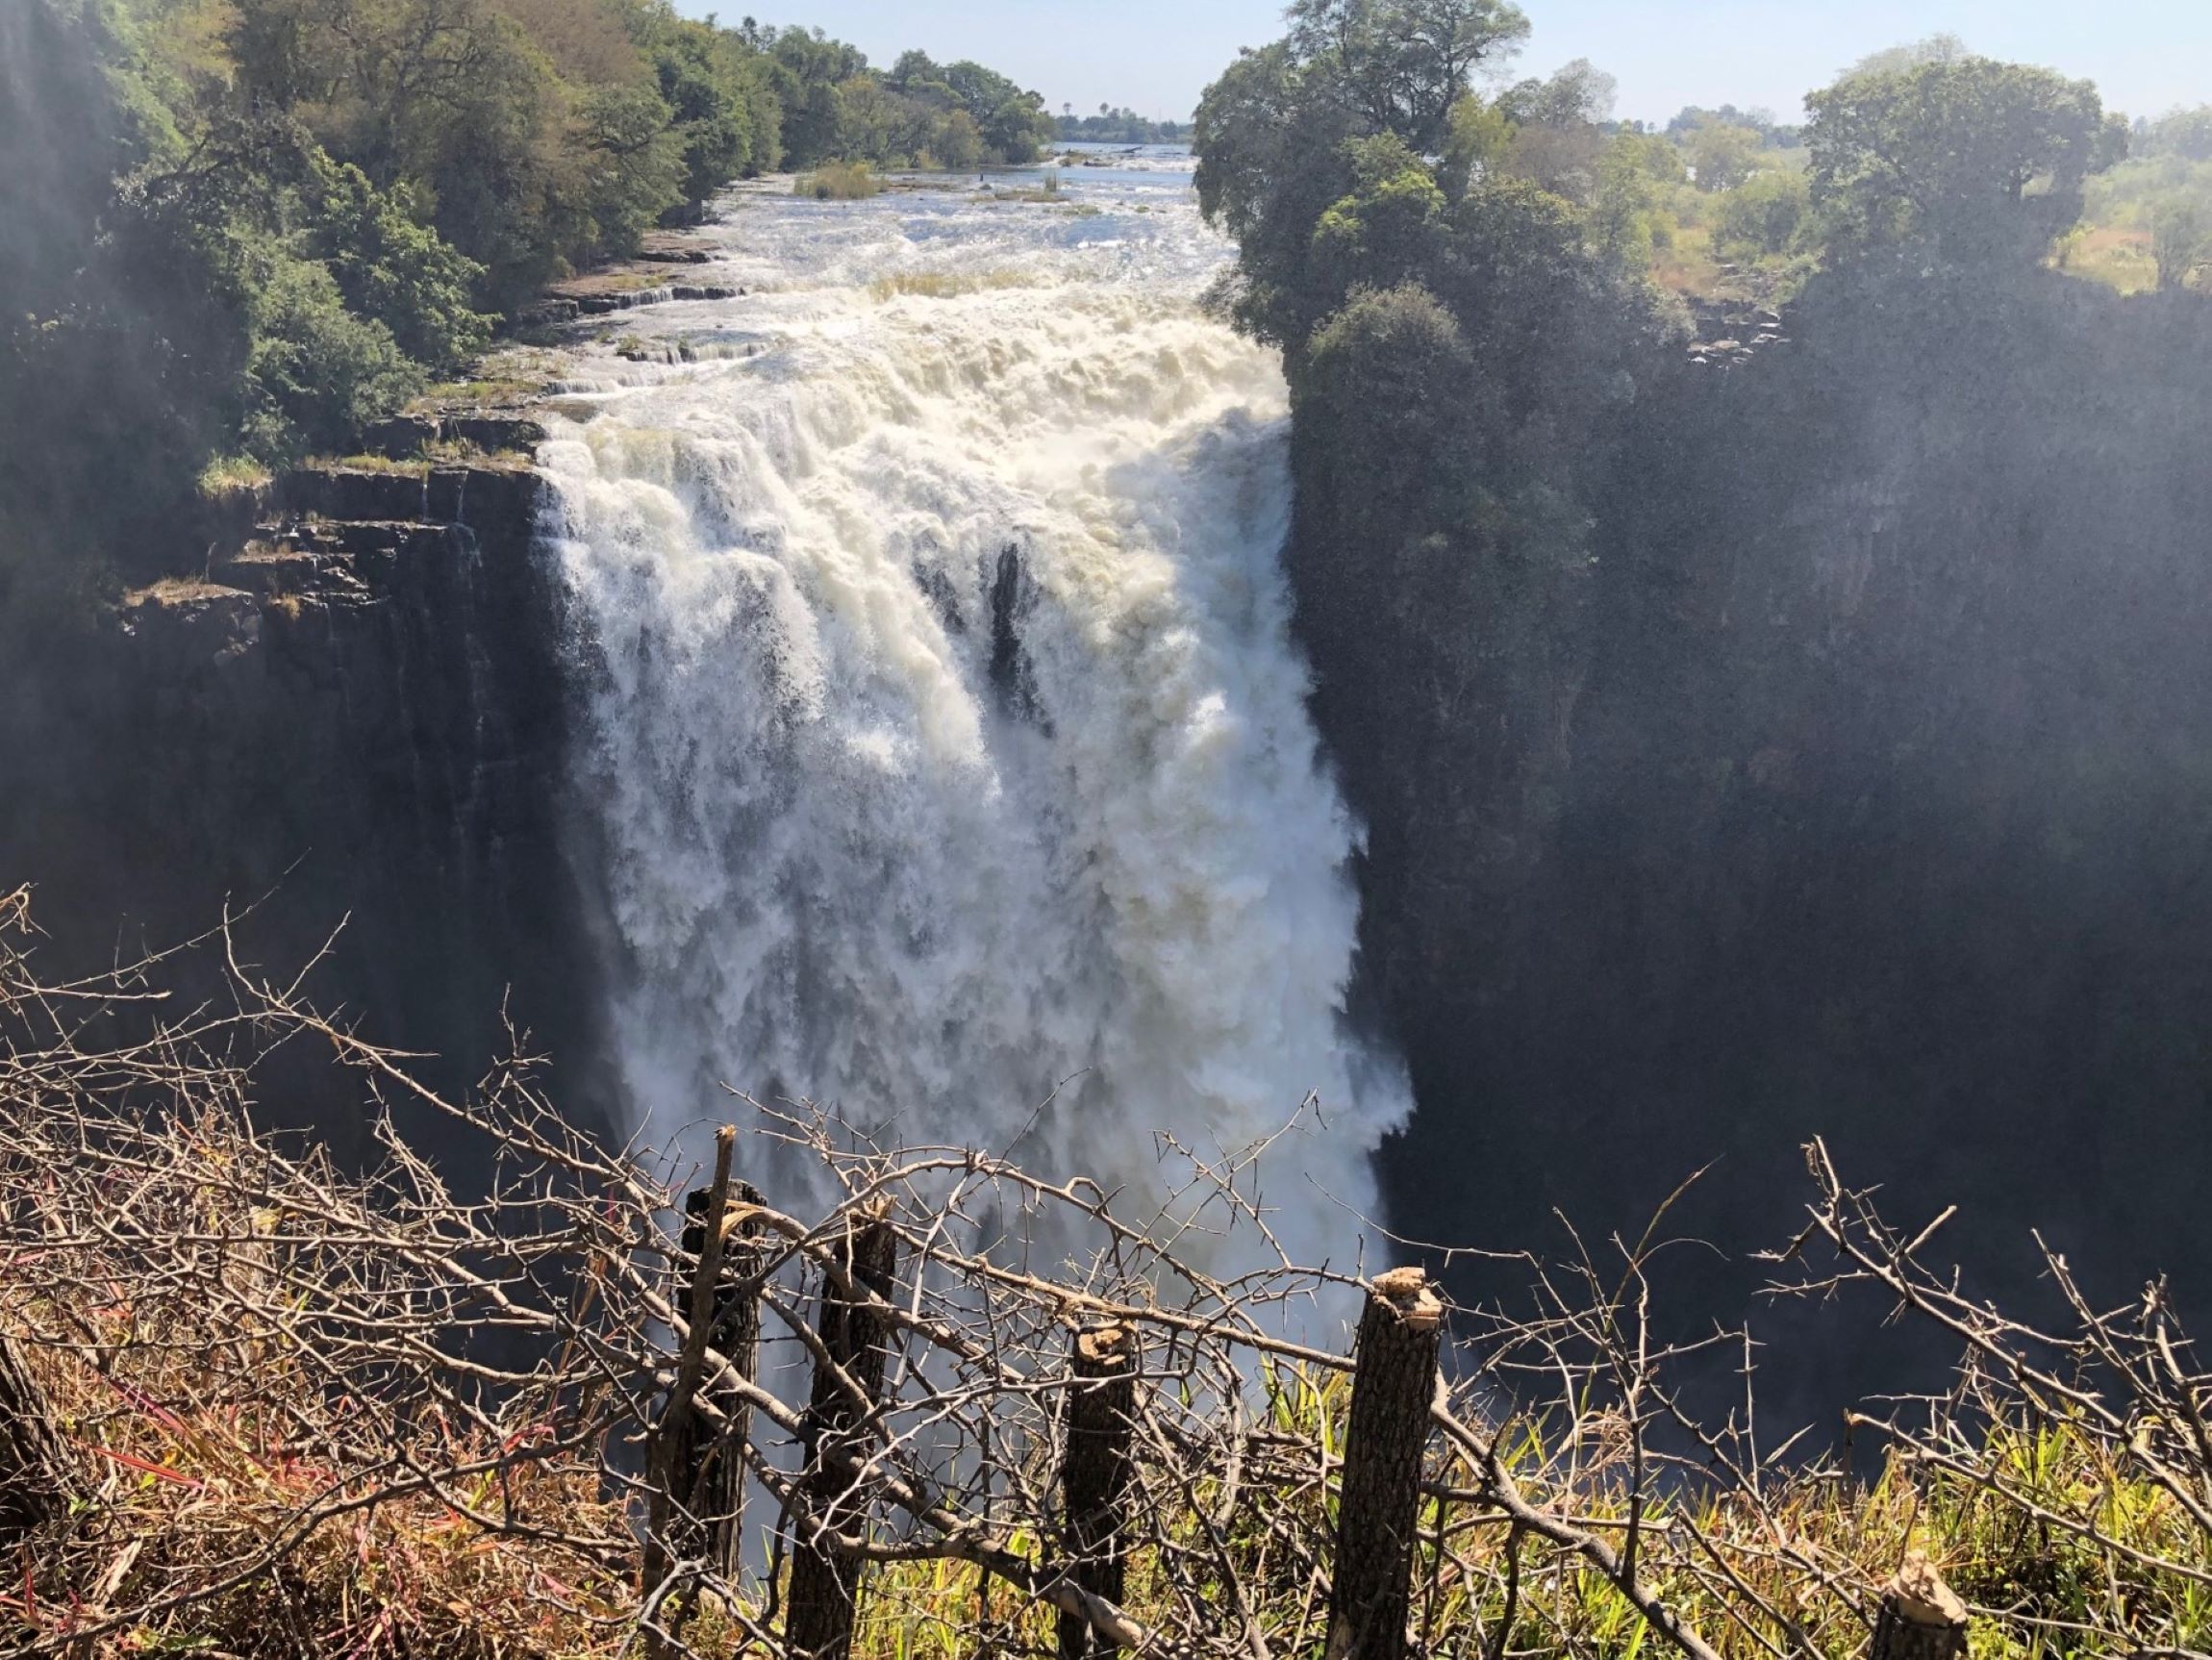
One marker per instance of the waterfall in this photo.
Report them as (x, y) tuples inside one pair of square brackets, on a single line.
[(946, 757)]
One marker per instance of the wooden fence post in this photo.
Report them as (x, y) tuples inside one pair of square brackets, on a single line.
[(823, 1600), (709, 1465), (37, 1477), (1379, 1510), (668, 1522), (1095, 1478), (1921, 1617)]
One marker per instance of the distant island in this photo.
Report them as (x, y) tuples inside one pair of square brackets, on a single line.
[(1112, 126)]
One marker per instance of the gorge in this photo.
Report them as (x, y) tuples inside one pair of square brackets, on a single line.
[(879, 692), (883, 688)]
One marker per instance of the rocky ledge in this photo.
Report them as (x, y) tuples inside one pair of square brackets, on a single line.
[(349, 693)]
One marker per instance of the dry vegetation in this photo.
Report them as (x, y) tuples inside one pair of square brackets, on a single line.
[(298, 1411)]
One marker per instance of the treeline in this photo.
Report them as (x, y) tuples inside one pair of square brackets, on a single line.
[(1112, 126), (233, 232), (1812, 746)]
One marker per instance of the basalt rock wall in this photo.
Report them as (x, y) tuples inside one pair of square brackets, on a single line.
[(340, 717), (1850, 780)]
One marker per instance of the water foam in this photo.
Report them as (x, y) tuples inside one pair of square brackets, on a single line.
[(947, 754)]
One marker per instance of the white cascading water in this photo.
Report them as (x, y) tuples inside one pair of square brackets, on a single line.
[(947, 757)]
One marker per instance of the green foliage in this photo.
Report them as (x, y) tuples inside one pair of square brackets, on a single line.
[(1401, 65), (1385, 232), (316, 373), (720, 102), (391, 269), (1635, 173), (1112, 126), (1477, 141), (1772, 134), (1973, 160), (242, 229), (807, 68), (1722, 155), (2180, 239), (2186, 134), (1383, 373), (919, 114), (1765, 217), (1013, 123), (838, 182)]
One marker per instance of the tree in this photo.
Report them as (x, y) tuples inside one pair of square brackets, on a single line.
[(1271, 140), (1578, 94), (1015, 124), (1763, 217), (2180, 240), (1973, 160), (1384, 234), (1560, 138), (1635, 171), (718, 90), (1722, 157), (808, 68), (1937, 49), (1403, 64), (391, 269), (1477, 144), (2183, 133), (1693, 116)]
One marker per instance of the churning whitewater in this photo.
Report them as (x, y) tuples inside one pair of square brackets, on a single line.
[(947, 760)]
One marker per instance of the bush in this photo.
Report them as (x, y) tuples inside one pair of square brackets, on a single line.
[(316, 373), (838, 182), (393, 270), (1765, 217)]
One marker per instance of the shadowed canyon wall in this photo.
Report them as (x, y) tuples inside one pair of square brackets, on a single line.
[(1849, 774), (351, 713)]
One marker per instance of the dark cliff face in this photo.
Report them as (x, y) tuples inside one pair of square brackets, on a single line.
[(355, 713), (1853, 782)]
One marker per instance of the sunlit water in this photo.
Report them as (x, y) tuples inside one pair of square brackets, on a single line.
[(948, 760)]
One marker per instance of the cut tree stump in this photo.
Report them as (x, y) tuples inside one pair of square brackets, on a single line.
[(709, 1464), (37, 1477), (825, 1583), (1921, 1617), (1394, 1385), (1094, 1478)]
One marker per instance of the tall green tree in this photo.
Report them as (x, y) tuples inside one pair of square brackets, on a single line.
[(1971, 159), (1401, 65)]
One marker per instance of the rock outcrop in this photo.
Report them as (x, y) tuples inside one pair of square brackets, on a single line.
[(352, 712)]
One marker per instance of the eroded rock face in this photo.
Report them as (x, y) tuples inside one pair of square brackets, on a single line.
[(352, 712)]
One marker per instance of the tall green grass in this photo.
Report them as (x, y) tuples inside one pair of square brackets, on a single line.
[(838, 182)]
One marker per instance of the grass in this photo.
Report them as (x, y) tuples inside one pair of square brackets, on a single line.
[(838, 182), (285, 1441), (232, 472), (411, 466), (1688, 265), (2118, 256), (1047, 191), (193, 1463), (443, 453)]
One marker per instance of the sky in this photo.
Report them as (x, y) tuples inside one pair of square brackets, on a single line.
[(1156, 56)]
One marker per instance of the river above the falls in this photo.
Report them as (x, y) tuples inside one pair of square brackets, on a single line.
[(946, 758)]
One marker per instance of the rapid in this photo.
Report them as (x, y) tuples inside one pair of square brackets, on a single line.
[(947, 760)]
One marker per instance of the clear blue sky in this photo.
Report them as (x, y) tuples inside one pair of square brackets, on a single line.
[(1157, 55)]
